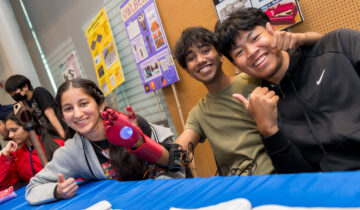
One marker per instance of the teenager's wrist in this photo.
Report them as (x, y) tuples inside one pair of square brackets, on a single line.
[(269, 131), (6, 153), (56, 193)]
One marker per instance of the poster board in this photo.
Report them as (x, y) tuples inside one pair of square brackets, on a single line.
[(69, 67), (148, 43), (104, 53)]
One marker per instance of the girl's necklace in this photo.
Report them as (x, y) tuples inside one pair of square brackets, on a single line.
[(104, 152)]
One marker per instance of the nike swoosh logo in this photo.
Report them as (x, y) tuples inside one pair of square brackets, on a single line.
[(319, 80)]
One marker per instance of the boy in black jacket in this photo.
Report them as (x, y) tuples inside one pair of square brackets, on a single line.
[(308, 108), (39, 100)]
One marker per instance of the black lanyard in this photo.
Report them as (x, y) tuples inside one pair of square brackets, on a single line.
[(87, 161)]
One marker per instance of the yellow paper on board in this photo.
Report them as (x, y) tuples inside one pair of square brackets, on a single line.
[(104, 53)]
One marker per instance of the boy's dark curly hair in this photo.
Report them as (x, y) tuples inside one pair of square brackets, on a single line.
[(193, 36)]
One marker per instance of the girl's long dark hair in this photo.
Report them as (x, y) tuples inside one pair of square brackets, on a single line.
[(128, 166), (47, 134)]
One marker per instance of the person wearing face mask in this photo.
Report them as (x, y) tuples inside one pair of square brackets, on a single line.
[(39, 100), (19, 160)]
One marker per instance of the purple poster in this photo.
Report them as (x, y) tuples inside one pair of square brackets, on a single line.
[(148, 43)]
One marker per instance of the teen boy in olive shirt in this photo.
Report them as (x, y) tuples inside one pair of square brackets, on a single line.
[(231, 130)]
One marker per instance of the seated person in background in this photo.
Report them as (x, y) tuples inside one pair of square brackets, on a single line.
[(19, 160), (40, 101), (308, 108), (5, 110), (231, 130), (90, 154), (3, 135)]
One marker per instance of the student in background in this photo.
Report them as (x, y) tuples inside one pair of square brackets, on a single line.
[(5, 110), (39, 100), (19, 160)]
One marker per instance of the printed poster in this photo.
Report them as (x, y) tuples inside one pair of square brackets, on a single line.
[(104, 53), (149, 45), (70, 68), (282, 13)]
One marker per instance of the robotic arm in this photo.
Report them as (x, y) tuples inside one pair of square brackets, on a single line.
[(120, 130)]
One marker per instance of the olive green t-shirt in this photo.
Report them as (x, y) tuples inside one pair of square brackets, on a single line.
[(231, 130)]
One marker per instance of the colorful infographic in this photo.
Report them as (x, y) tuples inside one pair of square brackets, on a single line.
[(282, 13), (149, 45), (104, 53)]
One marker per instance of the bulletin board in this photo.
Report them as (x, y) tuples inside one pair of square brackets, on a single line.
[(104, 53), (320, 16), (327, 15)]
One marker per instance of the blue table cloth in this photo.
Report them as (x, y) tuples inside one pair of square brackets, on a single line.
[(336, 189)]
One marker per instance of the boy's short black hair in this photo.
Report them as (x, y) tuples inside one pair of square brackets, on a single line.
[(243, 19), (193, 36), (17, 82)]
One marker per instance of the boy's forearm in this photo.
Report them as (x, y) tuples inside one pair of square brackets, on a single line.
[(186, 137), (54, 121), (310, 38)]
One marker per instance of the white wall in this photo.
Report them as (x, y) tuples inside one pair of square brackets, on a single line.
[(54, 22), (5, 72), (14, 56)]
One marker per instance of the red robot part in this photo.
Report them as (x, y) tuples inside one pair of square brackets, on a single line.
[(119, 130)]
